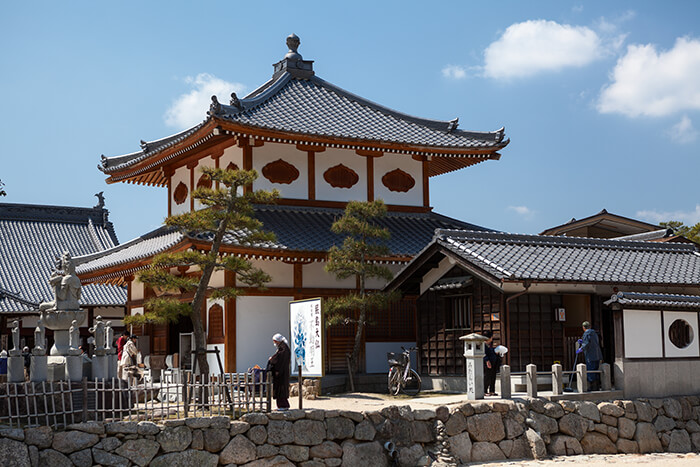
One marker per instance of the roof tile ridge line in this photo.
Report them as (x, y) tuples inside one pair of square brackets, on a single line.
[(479, 257), (147, 154), (16, 296), (120, 247), (273, 86), (99, 246), (440, 125)]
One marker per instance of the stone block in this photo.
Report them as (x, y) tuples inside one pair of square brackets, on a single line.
[(68, 442), (486, 427), (627, 446), (295, 453), (596, 443), (485, 452), (14, 453), (257, 434), (364, 454), (461, 446), (646, 438), (310, 432), (186, 458), (680, 442), (238, 451), (138, 451), (15, 369), (562, 445)]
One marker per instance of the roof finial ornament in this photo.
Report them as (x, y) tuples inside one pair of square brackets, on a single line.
[(144, 146), (100, 200), (235, 102), (293, 44), (214, 107)]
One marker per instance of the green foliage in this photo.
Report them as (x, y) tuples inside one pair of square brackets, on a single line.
[(691, 232), (363, 245), (229, 212)]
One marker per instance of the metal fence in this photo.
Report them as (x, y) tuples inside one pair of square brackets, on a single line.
[(180, 395)]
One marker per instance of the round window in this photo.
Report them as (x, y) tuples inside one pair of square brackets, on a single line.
[(680, 333)]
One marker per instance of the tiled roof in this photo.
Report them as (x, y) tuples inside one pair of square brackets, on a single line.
[(296, 101), (660, 300), (31, 236), (514, 257), (298, 229)]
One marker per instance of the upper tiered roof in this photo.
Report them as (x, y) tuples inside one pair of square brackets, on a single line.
[(296, 106)]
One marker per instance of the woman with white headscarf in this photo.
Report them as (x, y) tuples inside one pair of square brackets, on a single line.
[(278, 364)]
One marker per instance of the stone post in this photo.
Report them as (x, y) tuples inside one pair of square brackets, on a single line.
[(100, 367), (74, 368), (38, 369), (15, 369), (557, 379), (605, 381), (531, 377), (474, 354), (581, 377), (505, 382)]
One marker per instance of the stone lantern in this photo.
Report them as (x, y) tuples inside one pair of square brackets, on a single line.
[(474, 354)]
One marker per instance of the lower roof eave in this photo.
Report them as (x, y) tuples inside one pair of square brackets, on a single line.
[(596, 287)]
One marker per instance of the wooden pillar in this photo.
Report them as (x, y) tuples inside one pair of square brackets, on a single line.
[(192, 165), (298, 280), (426, 184), (311, 166), (230, 325), (370, 179)]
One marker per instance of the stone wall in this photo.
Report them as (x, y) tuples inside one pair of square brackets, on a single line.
[(471, 432)]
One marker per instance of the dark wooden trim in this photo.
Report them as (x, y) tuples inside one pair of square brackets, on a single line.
[(365, 153), (192, 187), (247, 159), (217, 166), (298, 277), (311, 174), (426, 184), (230, 325), (370, 179), (310, 148), (663, 335), (618, 325), (342, 204)]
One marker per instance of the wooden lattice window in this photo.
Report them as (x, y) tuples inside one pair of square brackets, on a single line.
[(216, 325), (459, 312), (180, 193)]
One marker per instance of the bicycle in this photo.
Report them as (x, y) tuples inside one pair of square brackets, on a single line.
[(401, 376)]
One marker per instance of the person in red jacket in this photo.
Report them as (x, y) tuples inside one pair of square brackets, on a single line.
[(120, 344)]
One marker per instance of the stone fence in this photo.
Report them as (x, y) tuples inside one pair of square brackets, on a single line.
[(470, 432)]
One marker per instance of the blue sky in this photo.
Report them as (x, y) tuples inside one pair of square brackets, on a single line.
[(601, 99)]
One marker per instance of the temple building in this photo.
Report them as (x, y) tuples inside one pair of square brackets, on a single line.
[(32, 237), (320, 146)]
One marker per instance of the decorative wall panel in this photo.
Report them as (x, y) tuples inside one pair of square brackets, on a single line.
[(340, 176), (280, 171), (398, 180), (204, 181), (180, 193)]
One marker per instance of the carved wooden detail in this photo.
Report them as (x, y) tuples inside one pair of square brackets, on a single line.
[(232, 166), (204, 181), (216, 325), (398, 180), (180, 193), (280, 171), (340, 176)]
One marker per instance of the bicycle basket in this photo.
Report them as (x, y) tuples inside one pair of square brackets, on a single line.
[(395, 358)]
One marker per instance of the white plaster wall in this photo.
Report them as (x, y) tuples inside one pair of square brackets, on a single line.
[(217, 279), (389, 162), (660, 378), (136, 290), (181, 175), (109, 312), (375, 355), (203, 162), (232, 154), (314, 276), (434, 275), (213, 361), (282, 273), (270, 152), (642, 330), (25, 322), (693, 350), (257, 320), (374, 283), (332, 157)]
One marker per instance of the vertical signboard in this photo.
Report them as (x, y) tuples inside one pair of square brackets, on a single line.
[(306, 341)]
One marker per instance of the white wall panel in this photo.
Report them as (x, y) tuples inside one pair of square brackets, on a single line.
[(390, 162), (316, 276), (282, 273), (182, 174), (270, 152), (332, 157), (642, 330), (692, 350), (257, 320)]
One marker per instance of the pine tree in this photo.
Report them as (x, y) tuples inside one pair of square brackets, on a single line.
[(365, 242), (691, 232), (229, 211)]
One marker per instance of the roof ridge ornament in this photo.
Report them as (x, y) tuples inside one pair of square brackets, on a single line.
[(293, 63), (293, 42), (215, 106), (235, 102)]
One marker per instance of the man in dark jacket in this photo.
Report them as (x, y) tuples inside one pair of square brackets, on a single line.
[(590, 346), (278, 364), (491, 364)]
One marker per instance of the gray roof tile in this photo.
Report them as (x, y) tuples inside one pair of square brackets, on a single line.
[(31, 236), (657, 300)]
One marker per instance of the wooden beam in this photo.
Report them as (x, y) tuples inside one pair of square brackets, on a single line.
[(370, 179), (426, 184), (311, 174), (230, 325), (298, 279)]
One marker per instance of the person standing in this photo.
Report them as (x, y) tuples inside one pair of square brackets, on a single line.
[(128, 361), (278, 364), (121, 342), (589, 345), (492, 361)]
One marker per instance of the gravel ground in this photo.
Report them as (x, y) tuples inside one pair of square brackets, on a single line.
[(601, 460)]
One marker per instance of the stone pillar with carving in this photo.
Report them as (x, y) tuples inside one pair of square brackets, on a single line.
[(15, 362), (100, 361), (474, 354)]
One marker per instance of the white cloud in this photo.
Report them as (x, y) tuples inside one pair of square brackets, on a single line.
[(191, 108), (687, 217), (651, 83), (454, 72), (683, 132), (523, 211), (535, 46)]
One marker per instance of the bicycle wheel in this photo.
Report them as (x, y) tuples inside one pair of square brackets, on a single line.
[(393, 380), (412, 385)]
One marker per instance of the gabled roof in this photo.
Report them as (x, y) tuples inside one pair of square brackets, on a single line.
[(296, 106), (613, 224), (299, 230), (32, 236), (505, 257), (654, 300)]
